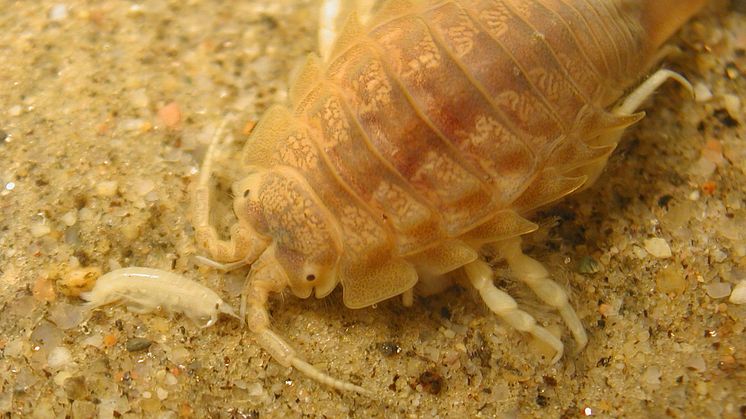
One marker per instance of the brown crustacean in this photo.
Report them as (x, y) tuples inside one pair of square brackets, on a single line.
[(430, 131)]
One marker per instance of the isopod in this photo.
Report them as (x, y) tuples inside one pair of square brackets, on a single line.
[(143, 290), (425, 133)]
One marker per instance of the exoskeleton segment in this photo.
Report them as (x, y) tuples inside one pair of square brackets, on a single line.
[(426, 132)]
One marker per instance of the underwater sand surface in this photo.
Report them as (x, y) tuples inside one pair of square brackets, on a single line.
[(106, 109)]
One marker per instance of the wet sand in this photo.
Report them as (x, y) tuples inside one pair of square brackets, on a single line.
[(106, 109)]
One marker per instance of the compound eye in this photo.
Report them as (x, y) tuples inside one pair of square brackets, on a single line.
[(246, 193), (310, 277)]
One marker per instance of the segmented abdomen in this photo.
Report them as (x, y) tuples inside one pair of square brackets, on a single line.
[(436, 116)]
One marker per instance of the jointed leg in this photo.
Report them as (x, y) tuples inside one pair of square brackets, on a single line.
[(533, 273), (244, 246), (481, 277), (267, 277), (633, 101)]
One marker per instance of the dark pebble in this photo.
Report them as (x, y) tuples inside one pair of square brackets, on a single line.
[(138, 344), (431, 382)]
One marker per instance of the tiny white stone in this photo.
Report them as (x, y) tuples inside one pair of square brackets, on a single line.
[(40, 230), (15, 110), (58, 12), (652, 375), (718, 289), (658, 248), (171, 379), (70, 218), (738, 296), (59, 357), (161, 393), (107, 188)]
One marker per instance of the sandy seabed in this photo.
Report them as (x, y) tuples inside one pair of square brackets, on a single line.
[(106, 109)]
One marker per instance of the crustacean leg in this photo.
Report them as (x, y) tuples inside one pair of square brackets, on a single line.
[(481, 277), (244, 245), (531, 272), (267, 276)]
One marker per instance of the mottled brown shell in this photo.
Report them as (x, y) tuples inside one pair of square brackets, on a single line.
[(435, 128)]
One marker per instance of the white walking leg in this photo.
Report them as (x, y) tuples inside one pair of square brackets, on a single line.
[(533, 273), (481, 277)]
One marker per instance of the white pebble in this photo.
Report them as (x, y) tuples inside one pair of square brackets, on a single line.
[(15, 110), (40, 230), (70, 218), (738, 296), (97, 341), (59, 357), (639, 252), (658, 248), (732, 105), (143, 186), (161, 393), (107, 188), (652, 375), (61, 376), (58, 12), (14, 348), (718, 289), (139, 98), (171, 379), (255, 389), (132, 124)]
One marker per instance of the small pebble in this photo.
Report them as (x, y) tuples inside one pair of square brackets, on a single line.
[(138, 344), (58, 12), (390, 348), (143, 186), (732, 105), (431, 382), (59, 357), (171, 380), (738, 296), (588, 265), (75, 388), (652, 376), (170, 115), (97, 341), (15, 110), (70, 218), (40, 230), (718, 289), (658, 248), (43, 290), (671, 279), (107, 188)]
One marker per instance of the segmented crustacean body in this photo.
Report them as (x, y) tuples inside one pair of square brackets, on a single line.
[(435, 126), (430, 130)]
